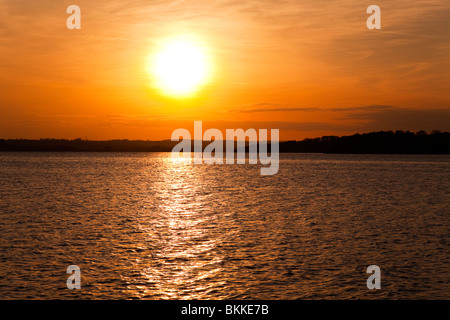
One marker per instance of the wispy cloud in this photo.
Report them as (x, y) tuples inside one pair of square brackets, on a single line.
[(270, 107), (373, 118)]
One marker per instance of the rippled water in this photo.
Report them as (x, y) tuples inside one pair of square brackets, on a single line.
[(145, 226)]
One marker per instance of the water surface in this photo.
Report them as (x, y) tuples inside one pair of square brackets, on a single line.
[(142, 226)]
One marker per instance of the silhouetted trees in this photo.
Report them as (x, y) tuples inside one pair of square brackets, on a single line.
[(375, 142), (397, 142)]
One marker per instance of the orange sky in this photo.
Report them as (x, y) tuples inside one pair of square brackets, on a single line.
[(308, 68)]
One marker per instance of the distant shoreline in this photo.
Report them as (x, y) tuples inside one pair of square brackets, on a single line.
[(382, 142)]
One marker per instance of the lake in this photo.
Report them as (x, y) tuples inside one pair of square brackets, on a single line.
[(144, 226)]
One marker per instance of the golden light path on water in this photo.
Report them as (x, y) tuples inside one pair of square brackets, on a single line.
[(188, 247)]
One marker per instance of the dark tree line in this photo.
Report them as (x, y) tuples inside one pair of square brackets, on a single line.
[(389, 142)]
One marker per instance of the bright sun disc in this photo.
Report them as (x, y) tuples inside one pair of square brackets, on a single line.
[(180, 67)]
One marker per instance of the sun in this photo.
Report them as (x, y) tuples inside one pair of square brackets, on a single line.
[(180, 66)]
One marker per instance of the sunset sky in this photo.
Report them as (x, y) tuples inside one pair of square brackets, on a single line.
[(309, 68)]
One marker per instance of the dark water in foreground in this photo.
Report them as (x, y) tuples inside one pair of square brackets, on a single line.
[(145, 226)]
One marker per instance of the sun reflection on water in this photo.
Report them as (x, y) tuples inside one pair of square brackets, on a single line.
[(185, 260)]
